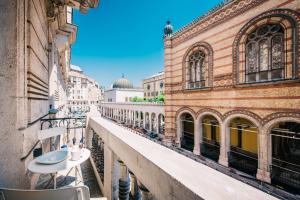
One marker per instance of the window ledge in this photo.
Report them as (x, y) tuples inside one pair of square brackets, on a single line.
[(274, 82), (197, 89)]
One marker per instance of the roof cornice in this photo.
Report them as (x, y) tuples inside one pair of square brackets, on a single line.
[(217, 15)]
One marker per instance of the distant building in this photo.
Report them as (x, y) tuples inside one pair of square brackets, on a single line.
[(83, 91), (122, 90), (154, 85)]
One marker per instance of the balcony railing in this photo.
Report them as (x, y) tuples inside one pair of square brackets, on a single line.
[(75, 129)]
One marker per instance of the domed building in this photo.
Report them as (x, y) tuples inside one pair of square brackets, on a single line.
[(122, 90)]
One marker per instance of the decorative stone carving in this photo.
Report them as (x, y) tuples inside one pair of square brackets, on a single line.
[(214, 18)]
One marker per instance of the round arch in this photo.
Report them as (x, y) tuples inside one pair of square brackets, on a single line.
[(242, 141), (283, 142), (179, 124), (208, 50), (284, 17)]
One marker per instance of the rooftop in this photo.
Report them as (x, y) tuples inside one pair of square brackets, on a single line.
[(76, 68)]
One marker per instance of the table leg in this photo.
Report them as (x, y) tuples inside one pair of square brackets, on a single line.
[(54, 180), (76, 175)]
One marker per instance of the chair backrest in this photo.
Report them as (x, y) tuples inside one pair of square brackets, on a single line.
[(51, 132), (74, 193)]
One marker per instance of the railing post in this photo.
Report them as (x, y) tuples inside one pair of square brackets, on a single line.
[(134, 189), (146, 195), (124, 182)]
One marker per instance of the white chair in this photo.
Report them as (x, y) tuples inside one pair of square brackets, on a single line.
[(49, 133), (72, 193)]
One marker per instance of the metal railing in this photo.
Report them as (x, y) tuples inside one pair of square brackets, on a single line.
[(210, 149), (286, 175), (243, 161), (71, 123)]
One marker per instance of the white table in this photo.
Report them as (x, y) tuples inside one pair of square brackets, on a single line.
[(67, 164)]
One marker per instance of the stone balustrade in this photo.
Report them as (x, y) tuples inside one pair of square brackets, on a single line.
[(160, 173), (147, 115)]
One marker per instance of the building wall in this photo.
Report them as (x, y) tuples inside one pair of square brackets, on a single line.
[(224, 96), (122, 95), (222, 36), (154, 86), (83, 91), (27, 61)]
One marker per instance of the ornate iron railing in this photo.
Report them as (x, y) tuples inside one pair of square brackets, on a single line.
[(71, 123)]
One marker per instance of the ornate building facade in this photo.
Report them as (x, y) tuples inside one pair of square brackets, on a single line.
[(83, 91), (232, 88), (154, 85), (36, 38)]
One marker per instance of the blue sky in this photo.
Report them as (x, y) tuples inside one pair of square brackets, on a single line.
[(126, 36)]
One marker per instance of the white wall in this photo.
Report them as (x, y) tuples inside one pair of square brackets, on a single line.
[(120, 95)]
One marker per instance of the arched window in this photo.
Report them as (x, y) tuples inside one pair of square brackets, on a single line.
[(197, 69), (197, 66), (265, 54)]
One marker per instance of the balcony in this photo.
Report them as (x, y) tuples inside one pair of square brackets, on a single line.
[(156, 169)]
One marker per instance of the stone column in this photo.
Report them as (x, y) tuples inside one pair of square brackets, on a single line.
[(225, 144), (178, 132), (150, 122), (156, 122), (139, 119), (124, 182), (144, 120), (134, 188), (197, 127), (111, 173), (263, 171)]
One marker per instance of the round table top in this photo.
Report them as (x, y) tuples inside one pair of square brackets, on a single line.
[(64, 165)]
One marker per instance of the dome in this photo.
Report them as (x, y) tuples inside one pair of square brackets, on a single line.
[(122, 83), (168, 30)]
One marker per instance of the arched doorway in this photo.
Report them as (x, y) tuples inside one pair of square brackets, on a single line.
[(161, 123), (243, 146), (285, 143), (210, 146), (187, 131)]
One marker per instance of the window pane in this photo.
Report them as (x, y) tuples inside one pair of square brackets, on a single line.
[(251, 58), (252, 77), (277, 52), (197, 63), (192, 72), (277, 74), (202, 69), (263, 75), (263, 55)]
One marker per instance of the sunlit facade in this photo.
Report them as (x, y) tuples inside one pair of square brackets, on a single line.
[(232, 89)]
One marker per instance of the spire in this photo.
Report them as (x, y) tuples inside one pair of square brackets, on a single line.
[(168, 30), (123, 76)]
